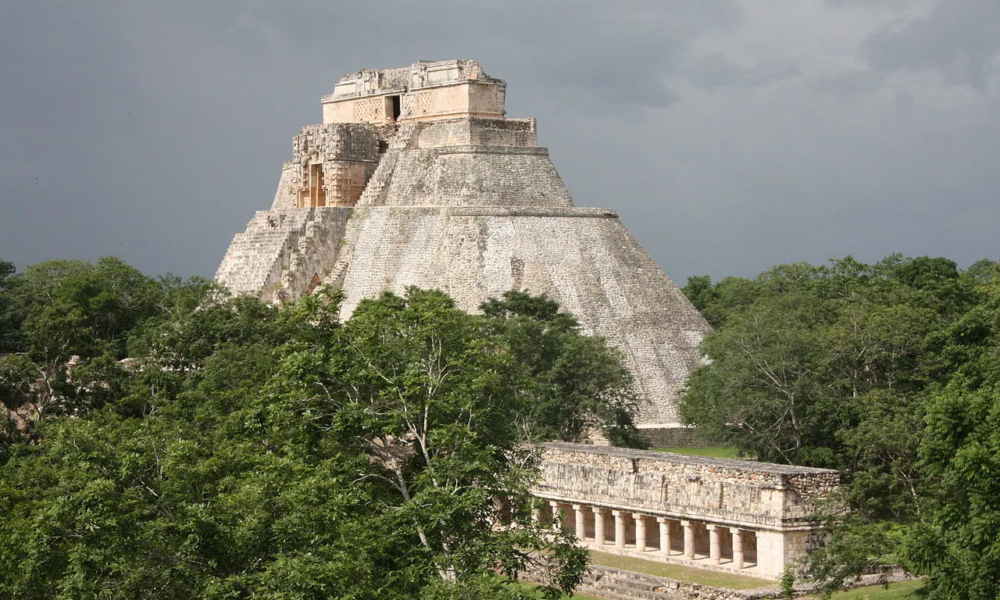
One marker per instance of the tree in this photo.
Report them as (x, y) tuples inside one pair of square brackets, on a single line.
[(959, 546), (578, 383), (10, 339), (833, 366), (956, 544), (984, 270), (433, 399), (74, 321), (379, 458)]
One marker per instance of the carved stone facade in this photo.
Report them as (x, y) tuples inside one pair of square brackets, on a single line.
[(454, 196), (728, 515), (426, 91), (331, 164)]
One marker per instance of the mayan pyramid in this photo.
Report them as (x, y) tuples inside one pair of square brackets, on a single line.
[(416, 177)]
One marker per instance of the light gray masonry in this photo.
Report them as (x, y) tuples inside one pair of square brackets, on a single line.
[(471, 206), (727, 515)]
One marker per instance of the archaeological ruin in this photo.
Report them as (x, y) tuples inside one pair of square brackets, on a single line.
[(737, 516), (416, 177)]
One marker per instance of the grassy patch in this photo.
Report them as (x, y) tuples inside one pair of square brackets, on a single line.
[(529, 586), (904, 590), (710, 452), (682, 573)]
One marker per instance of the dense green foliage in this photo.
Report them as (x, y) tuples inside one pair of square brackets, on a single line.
[(162, 440), (888, 372)]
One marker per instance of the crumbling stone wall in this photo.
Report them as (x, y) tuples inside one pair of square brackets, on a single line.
[(720, 490), (426, 91), (282, 251), (347, 154), (733, 515)]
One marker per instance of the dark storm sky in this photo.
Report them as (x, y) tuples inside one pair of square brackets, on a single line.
[(730, 135)]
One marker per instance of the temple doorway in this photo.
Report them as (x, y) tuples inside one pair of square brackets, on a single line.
[(397, 107), (313, 194)]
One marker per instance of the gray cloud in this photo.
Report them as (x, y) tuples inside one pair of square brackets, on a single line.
[(960, 38), (730, 135), (717, 71)]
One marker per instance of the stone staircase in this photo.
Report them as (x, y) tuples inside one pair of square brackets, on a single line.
[(314, 250), (255, 258), (374, 194)]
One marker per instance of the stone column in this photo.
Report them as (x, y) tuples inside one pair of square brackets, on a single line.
[(737, 547), (619, 528), (714, 546), (556, 515), (581, 523), (598, 525), (664, 535), (536, 515), (688, 539), (640, 532)]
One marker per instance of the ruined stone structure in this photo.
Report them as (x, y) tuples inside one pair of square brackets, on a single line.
[(729, 515), (416, 177)]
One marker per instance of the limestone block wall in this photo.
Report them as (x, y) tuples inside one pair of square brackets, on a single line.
[(583, 258), (252, 264), (343, 155), (314, 254), (289, 184), (336, 141), (284, 253), (733, 492), (449, 100), (425, 91), (476, 176), (478, 132), (778, 548)]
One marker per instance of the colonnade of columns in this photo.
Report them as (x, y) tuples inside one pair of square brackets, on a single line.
[(637, 531)]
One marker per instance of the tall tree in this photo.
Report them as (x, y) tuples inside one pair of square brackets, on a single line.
[(956, 545), (578, 383), (833, 366), (435, 400), (10, 339), (298, 458)]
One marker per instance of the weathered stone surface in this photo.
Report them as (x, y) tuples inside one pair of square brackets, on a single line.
[(584, 259), (730, 515), (425, 91), (733, 492), (282, 250), (465, 202)]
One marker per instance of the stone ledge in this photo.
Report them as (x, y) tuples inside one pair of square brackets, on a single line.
[(670, 457), (534, 150), (503, 211)]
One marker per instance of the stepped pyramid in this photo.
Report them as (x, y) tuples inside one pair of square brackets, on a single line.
[(416, 177)]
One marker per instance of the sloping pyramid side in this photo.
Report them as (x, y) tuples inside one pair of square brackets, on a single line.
[(476, 222)]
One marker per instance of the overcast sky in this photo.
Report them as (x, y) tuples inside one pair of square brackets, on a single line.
[(730, 135)]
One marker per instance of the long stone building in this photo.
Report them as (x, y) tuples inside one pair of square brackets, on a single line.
[(416, 177), (737, 516)]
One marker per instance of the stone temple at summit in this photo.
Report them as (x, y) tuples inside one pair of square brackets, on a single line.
[(416, 177)]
